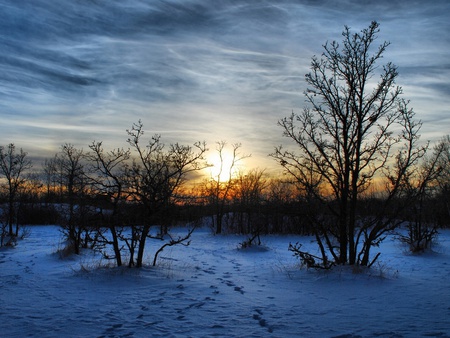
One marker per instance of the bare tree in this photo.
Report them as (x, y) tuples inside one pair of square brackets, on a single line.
[(50, 179), (281, 197), (425, 187), (13, 166), (443, 181), (71, 172), (352, 132), (108, 177), (154, 179), (248, 199), (218, 187)]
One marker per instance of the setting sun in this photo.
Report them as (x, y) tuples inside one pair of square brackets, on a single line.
[(225, 161), (222, 166)]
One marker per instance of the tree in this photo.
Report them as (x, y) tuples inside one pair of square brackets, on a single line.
[(280, 206), (248, 199), (422, 216), (353, 133), (13, 166), (153, 180), (443, 181), (50, 180), (218, 187), (108, 177), (71, 172)]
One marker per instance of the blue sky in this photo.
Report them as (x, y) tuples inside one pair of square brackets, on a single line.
[(74, 71)]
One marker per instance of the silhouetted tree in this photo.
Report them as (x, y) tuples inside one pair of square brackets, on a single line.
[(50, 178), (443, 181), (353, 131), (107, 175), (13, 166), (71, 172), (218, 187), (154, 179), (248, 199), (420, 216), (281, 198)]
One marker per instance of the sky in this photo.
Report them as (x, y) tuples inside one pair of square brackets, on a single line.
[(75, 71)]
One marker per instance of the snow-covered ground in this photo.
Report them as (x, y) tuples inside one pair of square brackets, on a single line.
[(212, 289)]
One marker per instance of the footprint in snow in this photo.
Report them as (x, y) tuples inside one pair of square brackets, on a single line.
[(261, 321), (196, 305), (239, 289), (229, 283), (215, 289)]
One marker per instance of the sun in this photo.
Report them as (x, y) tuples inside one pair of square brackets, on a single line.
[(222, 166)]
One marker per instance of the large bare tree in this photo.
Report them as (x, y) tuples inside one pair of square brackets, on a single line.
[(354, 132)]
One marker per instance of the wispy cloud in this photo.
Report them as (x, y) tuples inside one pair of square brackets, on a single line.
[(195, 69)]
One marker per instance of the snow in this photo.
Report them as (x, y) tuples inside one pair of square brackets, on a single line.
[(212, 289)]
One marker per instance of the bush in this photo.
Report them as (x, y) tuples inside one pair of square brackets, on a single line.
[(419, 238)]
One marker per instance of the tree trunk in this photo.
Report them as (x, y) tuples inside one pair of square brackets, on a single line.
[(141, 249), (351, 231), (343, 231), (116, 246), (365, 259), (219, 217), (11, 216)]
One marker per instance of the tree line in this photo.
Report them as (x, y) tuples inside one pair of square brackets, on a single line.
[(115, 200), (354, 171)]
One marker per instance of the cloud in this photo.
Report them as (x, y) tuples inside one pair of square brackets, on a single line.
[(194, 69)]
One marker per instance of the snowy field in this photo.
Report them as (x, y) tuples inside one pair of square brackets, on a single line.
[(211, 289)]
